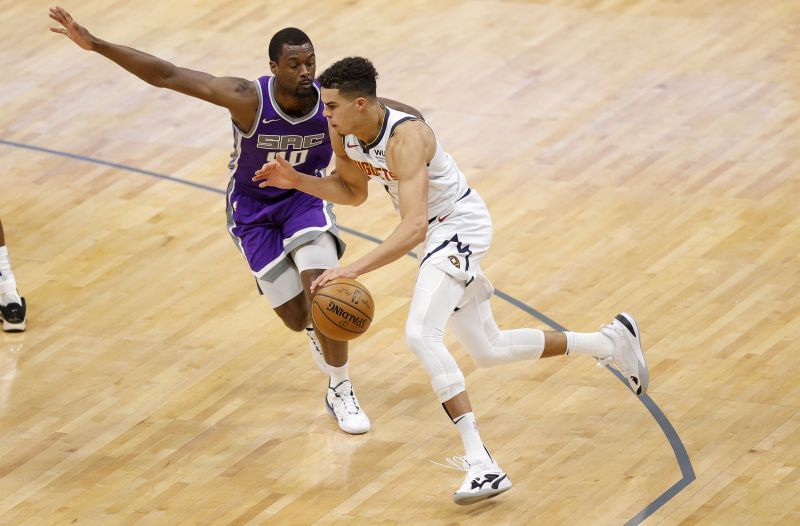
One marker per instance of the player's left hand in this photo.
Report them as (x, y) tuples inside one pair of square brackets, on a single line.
[(278, 173), (331, 274)]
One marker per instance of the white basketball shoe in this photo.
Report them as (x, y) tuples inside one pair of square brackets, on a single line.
[(482, 481), (342, 404), (628, 357)]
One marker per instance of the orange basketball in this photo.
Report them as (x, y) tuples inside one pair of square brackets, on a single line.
[(342, 309)]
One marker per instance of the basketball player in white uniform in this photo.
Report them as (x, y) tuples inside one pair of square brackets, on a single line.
[(438, 209)]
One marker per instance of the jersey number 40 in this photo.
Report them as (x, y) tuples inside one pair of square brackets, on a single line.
[(293, 157), (293, 148)]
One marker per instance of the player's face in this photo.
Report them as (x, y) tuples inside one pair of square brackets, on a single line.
[(342, 113), (295, 69)]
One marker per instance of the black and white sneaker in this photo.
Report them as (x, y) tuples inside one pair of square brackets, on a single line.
[(628, 357), (13, 316), (482, 481), (343, 405)]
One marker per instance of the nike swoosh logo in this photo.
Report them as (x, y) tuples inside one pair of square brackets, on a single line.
[(442, 218), (352, 145), (267, 121)]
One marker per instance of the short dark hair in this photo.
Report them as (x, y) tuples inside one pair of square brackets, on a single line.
[(290, 36), (354, 76)]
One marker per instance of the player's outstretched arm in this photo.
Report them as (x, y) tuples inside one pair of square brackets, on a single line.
[(238, 95)]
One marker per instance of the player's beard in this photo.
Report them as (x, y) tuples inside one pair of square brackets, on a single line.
[(304, 92)]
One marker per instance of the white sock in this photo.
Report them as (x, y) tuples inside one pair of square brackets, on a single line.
[(8, 285), (474, 450), (591, 343), (338, 374)]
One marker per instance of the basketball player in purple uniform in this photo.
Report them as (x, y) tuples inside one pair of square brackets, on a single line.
[(287, 237)]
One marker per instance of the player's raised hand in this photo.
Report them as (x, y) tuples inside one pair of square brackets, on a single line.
[(73, 30), (278, 173)]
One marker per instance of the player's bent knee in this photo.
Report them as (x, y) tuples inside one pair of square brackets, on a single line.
[(482, 359), (296, 324), (446, 386), (296, 319)]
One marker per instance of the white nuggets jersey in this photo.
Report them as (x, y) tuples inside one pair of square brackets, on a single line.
[(447, 183), (459, 225)]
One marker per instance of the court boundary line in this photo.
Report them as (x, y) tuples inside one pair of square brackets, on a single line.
[(678, 448)]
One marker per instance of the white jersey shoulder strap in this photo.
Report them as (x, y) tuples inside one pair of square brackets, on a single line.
[(446, 182)]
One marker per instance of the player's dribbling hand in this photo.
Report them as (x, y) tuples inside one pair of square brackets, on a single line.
[(330, 275), (73, 30), (278, 173)]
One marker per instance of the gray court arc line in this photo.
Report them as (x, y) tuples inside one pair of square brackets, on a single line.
[(678, 449)]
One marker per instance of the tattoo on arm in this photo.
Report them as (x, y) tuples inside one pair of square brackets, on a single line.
[(242, 86)]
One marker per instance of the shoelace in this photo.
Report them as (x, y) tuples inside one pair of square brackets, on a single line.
[(458, 463), (349, 401)]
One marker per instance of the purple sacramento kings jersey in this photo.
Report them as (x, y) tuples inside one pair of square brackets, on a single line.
[(267, 224), (303, 141)]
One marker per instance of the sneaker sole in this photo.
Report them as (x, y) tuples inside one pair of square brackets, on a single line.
[(12, 327), (644, 372), (473, 498)]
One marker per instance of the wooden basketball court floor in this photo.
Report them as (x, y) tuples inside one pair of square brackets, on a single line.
[(636, 155)]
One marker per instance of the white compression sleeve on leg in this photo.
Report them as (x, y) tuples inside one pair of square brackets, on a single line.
[(319, 254), (475, 328), (284, 287), (436, 294)]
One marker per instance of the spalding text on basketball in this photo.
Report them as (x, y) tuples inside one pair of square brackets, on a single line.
[(352, 318)]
